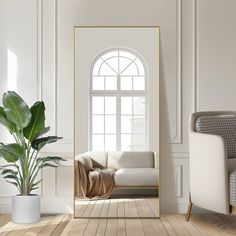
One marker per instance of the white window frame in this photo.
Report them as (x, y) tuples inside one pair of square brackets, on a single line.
[(118, 94)]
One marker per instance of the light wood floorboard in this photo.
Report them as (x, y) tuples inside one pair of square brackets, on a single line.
[(65, 225), (102, 227), (121, 231), (111, 228), (135, 207)]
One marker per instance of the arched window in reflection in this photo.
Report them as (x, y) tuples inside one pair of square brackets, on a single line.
[(118, 101)]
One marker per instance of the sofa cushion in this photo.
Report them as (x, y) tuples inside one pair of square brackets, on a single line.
[(99, 159), (118, 160), (222, 125), (136, 177)]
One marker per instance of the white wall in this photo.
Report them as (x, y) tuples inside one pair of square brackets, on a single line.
[(197, 73)]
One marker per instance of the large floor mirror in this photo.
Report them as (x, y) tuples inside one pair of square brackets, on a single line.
[(116, 122)]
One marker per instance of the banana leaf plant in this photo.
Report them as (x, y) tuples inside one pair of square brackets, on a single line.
[(27, 126)]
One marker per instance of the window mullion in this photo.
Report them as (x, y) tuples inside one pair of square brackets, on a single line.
[(146, 131), (90, 141), (104, 120), (118, 109), (118, 94), (132, 125), (118, 122)]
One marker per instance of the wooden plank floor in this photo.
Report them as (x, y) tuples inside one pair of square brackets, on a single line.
[(136, 207), (65, 225)]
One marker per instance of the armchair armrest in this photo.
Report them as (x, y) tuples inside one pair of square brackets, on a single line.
[(208, 172)]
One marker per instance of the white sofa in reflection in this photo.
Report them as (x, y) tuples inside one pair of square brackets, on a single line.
[(133, 169)]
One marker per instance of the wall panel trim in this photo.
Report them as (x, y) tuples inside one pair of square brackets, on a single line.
[(39, 49), (196, 56), (55, 63), (178, 180), (177, 139)]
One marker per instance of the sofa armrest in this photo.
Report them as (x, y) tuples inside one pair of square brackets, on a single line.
[(156, 160), (78, 157), (85, 160), (208, 172)]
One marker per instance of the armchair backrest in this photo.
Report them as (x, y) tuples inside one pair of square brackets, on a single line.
[(217, 123)]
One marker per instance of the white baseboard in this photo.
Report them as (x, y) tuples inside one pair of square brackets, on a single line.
[(56, 208), (5, 208), (52, 208), (183, 207), (67, 208)]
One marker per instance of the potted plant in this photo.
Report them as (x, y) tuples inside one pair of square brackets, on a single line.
[(26, 125)]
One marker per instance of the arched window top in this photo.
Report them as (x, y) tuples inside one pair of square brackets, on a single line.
[(118, 101), (118, 69)]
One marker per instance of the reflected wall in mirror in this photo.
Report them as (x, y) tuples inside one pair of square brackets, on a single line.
[(116, 122)]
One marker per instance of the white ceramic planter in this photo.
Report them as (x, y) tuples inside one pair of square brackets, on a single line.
[(25, 209)]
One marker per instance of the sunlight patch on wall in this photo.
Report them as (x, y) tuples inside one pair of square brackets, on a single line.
[(11, 80), (11, 71)]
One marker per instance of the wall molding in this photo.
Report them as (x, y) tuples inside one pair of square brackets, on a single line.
[(55, 64), (180, 155), (177, 139), (178, 180), (196, 55), (39, 49), (57, 171), (56, 9)]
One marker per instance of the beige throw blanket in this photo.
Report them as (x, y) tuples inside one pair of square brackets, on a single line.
[(93, 183)]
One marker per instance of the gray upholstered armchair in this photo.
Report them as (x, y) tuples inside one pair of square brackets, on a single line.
[(212, 147)]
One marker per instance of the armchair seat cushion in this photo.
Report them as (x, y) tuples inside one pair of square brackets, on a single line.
[(136, 177)]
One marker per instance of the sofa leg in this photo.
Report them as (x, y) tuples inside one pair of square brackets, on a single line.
[(190, 205)]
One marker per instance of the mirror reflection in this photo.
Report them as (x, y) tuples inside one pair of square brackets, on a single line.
[(116, 184), (118, 176)]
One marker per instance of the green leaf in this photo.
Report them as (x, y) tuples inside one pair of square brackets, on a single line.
[(47, 165), (32, 186), (44, 131), (34, 189), (4, 121), (14, 148), (17, 111), (11, 152), (9, 165), (10, 176), (16, 184), (37, 123), (9, 171), (51, 158), (41, 142)]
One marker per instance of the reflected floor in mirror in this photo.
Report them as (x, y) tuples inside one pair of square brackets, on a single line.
[(118, 207)]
